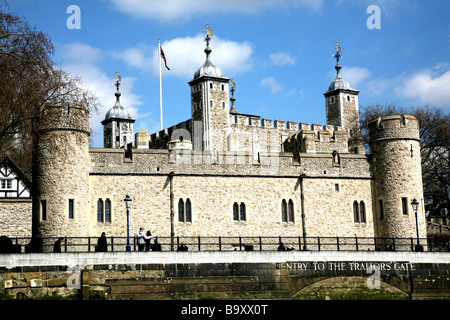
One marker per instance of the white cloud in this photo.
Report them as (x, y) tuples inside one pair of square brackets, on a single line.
[(272, 84), (185, 55), (282, 59), (355, 75), (175, 10), (427, 86), (99, 83)]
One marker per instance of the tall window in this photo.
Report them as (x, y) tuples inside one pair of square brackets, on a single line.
[(99, 210), (355, 211), (107, 210), (291, 210), (239, 212), (188, 210), (71, 208), (283, 211), (380, 205), (44, 209), (362, 212), (184, 210), (181, 210), (359, 212)]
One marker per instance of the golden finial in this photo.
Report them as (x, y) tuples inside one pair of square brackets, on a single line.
[(338, 48), (208, 31)]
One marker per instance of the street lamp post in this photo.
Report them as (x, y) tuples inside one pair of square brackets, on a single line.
[(415, 205), (128, 199), (172, 233)]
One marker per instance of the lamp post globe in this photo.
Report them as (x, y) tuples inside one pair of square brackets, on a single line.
[(127, 200)]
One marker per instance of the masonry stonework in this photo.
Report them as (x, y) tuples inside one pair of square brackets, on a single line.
[(241, 174)]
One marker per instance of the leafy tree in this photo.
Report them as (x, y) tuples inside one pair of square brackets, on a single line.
[(29, 82)]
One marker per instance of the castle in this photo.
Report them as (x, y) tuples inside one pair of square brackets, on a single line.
[(223, 172)]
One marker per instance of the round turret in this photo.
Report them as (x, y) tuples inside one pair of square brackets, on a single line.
[(63, 172), (395, 148)]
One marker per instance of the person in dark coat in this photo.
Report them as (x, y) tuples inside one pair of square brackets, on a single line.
[(102, 244), (183, 247), (148, 245), (156, 246), (57, 245)]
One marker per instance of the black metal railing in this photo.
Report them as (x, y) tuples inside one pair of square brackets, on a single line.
[(228, 243)]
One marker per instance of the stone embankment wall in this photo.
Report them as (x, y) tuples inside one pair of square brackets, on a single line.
[(197, 275)]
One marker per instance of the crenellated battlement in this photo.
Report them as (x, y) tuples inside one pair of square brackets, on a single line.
[(316, 138), (64, 117), (394, 127)]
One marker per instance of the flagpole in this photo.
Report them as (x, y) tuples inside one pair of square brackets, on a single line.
[(160, 85)]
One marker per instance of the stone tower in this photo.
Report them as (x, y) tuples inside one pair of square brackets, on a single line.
[(118, 124), (209, 105), (341, 101), (395, 148), (63, 162)]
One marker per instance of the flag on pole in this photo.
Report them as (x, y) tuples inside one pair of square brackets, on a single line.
[(164, 57)]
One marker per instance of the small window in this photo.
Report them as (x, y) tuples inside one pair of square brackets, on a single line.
[(381, 208), (223, 87), (211, 104), (405, 206), (348, 98), (71, 208), (332, 99), (44, 210), (211, 85), (336, 158), (336, 187), (223, 105)]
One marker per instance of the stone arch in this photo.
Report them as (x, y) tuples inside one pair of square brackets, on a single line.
[(350, 287)]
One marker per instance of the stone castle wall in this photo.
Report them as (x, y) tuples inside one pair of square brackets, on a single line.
[(395, 146)]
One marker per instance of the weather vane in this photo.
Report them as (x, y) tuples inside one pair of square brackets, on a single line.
[(338, 54), (208, 33), (233, 86), (118, 80)]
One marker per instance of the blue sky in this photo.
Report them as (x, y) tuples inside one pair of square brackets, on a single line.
[(279, 52)]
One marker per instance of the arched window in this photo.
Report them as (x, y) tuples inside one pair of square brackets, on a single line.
[(362, 212), (181, 210), (99, 210), (184, 210), (239, 212), (242, 211), (283, 211), (107, 210), (336, 158), (291, 210), (355, 211), (188, 210)]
